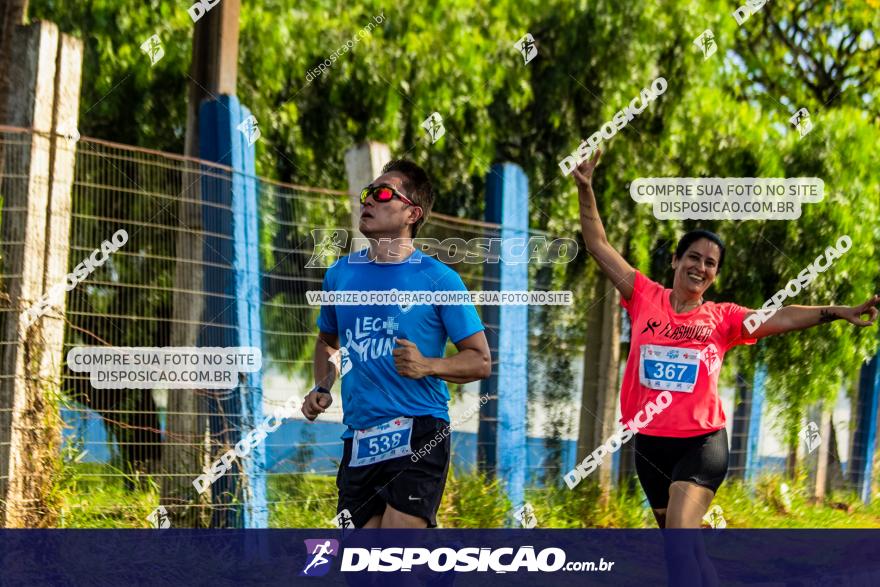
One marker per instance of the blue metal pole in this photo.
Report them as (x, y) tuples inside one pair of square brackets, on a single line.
[(507, 193), (755, 412), (865, 439), (231, 211)]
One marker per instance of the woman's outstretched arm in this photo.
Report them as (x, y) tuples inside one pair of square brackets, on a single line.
[(789, 318), (612, 263)]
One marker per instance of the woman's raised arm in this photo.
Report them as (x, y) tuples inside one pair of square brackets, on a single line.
[(612, 263)]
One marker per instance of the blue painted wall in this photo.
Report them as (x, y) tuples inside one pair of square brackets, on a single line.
[(284, 453)]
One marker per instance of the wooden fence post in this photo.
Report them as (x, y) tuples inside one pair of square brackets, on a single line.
[(43, 95)]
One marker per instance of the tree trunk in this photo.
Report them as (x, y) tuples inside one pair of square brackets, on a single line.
[(826, 433), (600, 387), (791, 459), (835, 479), (626, 473)]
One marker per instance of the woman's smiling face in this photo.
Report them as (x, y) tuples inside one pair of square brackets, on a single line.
[(697, 268)]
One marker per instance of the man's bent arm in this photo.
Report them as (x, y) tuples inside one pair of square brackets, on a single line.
[(472, 362), (325, 347)]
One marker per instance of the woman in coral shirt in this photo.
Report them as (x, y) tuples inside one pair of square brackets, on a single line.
[(678, 345)]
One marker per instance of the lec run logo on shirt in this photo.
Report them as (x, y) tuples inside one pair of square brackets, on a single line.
[(364, 341)]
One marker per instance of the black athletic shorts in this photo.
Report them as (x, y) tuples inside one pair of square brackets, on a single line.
[(412, 484), (660, 460)]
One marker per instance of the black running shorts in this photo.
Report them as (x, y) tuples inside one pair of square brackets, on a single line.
[(412, 484), (661, 460)]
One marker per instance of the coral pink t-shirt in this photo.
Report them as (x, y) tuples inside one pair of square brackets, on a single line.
[(681, 353)]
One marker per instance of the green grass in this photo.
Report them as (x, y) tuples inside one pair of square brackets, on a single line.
[(767, 507), (86, 500), (471, 500), (301, 500), (582, 507), (92, 495), (474, 501)]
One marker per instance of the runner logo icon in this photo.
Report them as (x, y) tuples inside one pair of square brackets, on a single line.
[(526, 46), (328, 245), (343, 520), (320, 553), (153, 48), (525, 515), (434, 127), (711, 357), (801, 121), (715, 518), (706, 43), (651, 325), (810, 435), (250, 129)]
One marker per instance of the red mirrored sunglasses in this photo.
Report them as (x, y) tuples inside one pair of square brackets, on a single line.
[(384, 193)]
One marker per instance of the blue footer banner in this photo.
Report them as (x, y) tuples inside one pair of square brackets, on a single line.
[(440, 557)]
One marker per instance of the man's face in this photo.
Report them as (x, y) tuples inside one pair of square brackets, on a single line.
[(388, 219)]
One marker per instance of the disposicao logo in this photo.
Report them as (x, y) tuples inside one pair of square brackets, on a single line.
[(321, 552)]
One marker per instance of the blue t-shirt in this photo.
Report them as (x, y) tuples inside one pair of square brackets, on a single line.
[(373, 391)]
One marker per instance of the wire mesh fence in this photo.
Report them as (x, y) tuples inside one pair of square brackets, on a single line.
[(158, 290), (125, 451)]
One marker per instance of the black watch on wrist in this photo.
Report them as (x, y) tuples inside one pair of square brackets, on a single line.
[(319, 389)]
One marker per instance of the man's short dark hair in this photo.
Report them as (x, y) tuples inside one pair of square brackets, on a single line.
[(417, 187)]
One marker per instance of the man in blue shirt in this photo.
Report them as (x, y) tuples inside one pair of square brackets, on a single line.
[(394, 395)]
